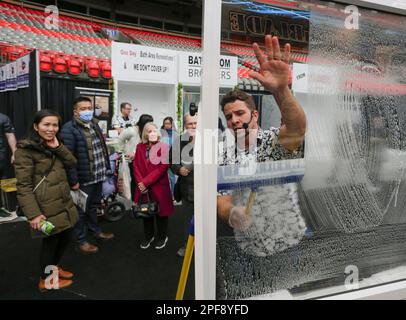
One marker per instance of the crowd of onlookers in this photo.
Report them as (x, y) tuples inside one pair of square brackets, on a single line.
[(55, 159)]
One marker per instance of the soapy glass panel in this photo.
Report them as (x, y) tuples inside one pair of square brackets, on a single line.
[(340, 227)]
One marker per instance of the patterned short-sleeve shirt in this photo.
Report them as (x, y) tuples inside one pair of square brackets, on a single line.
[(119, 122), (267, 148), (277, 223)]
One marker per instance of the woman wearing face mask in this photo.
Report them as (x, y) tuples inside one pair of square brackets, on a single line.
[(43, 193), (151, 176)]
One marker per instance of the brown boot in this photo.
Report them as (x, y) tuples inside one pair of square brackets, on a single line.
[(62, 283), (104, 236), (64, 274), (88, 248)]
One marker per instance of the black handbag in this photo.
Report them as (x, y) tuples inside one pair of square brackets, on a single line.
[(145, 210)]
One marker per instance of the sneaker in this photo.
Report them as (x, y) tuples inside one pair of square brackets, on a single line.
[(4, 213), (146, 243), (181, 252), (161, 243)]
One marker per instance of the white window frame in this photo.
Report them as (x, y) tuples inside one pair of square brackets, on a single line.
[(205, 181)]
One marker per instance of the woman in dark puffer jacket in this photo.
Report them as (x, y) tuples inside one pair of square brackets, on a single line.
[(43, 155)]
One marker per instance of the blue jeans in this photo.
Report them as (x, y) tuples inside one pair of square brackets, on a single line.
[(172, 180), (88, 219)]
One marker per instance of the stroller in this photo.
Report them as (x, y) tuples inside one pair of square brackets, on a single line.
[(111, 208)]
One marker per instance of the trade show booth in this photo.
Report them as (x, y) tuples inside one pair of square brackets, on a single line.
[(162, 82)]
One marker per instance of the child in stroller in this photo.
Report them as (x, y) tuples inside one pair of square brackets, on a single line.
[(111, 208)]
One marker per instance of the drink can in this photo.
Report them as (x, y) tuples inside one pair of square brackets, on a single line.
[(46, 227)]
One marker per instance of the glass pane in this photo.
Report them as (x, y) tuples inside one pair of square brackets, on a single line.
[(339, 226)]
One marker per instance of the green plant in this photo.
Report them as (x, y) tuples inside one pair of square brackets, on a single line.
[(179, 110)]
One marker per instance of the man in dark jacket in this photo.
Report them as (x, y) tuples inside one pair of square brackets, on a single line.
[(182, 164), (84, 138), (6, 137)]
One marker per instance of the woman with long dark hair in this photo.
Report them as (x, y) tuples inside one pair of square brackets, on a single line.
[(168, 135), (43, 194), (169, 132)]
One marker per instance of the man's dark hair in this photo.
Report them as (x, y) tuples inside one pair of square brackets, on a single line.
[(122, 105), (80, 99), (235, 95)]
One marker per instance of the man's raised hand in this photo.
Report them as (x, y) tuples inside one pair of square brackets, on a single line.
[(274, 68)]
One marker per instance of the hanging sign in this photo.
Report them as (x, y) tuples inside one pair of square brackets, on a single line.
[(11, 74), (3, 78), (190, 69), (143, 64), (23, 71)]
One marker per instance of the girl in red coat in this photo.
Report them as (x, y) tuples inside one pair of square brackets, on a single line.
[(151, 165)]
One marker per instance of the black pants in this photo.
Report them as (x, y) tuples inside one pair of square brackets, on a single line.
[(161, 224), (133, 184), (52, 250)]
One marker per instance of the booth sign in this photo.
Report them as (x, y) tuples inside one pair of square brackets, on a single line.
[(143, 64), (190, 69)]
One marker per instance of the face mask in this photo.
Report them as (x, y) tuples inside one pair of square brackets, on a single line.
[(86, 115), (153, 137), (97, 112)]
